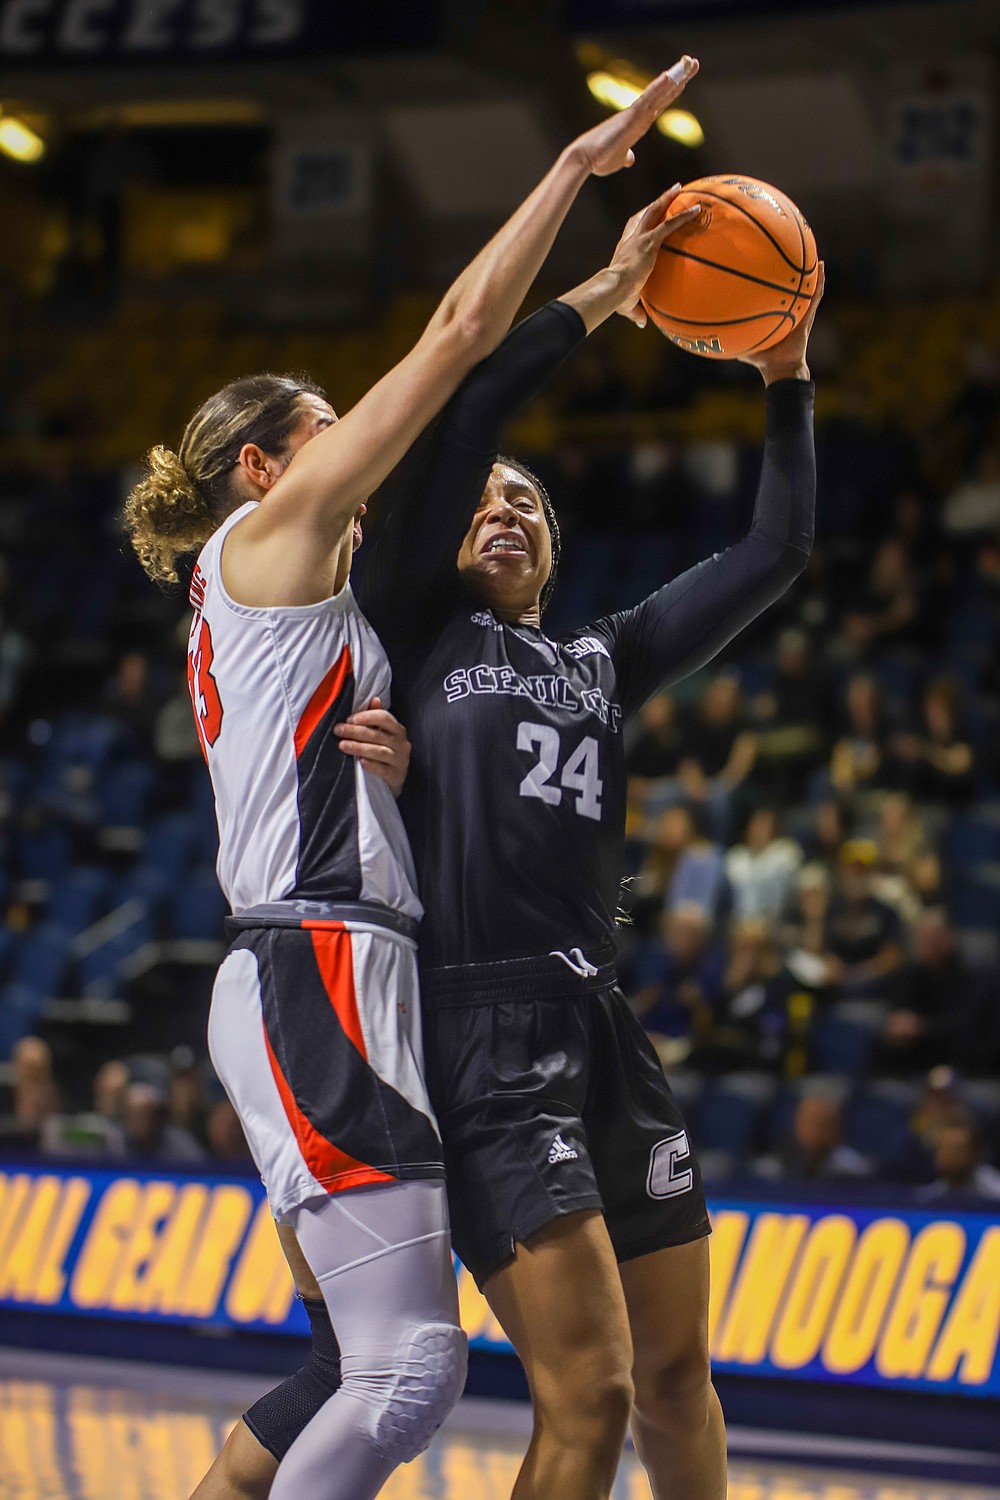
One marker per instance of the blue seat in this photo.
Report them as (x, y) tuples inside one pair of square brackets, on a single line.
[(80, 741), (728, 1121), (19, 1010), (100, 971), (199, 908), (879, 1120), (842, 1045), (201, 799), (756, 677), (898, 677), (974, 624), (94, 602), (147, 884), (971, 842), (124, 792), (43, 855), (77, 900), (9, 941), (14, 778), (975, 904), (172, 843), (42, 960)]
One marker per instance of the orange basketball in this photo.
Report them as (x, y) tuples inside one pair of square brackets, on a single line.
[(738, 277)]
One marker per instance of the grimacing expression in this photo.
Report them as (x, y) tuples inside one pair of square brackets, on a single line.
[(507, 551)]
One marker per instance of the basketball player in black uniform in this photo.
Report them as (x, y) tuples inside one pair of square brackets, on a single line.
[(402, 1364), (575, 1199)]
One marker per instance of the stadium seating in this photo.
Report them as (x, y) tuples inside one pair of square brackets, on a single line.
[(843, 1041), (198, 908)]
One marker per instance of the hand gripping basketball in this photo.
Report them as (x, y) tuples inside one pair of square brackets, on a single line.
[(787, 360), (740, 276), (637, 249), (608, 147)]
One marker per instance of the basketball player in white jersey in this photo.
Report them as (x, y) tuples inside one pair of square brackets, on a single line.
[(314, 1027)]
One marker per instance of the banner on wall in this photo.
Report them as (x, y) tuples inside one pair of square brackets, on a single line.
[(908, 1300), (97, 32)]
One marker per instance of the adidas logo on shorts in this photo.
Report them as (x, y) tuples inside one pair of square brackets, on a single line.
[(561, 1152)]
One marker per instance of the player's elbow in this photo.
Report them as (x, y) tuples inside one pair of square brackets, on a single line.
[(462, 339), (788, 562), (794, 560)]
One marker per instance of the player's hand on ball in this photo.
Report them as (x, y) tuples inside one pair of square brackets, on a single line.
[(637, 249), (787, 360), (377, 738), (608, 147)]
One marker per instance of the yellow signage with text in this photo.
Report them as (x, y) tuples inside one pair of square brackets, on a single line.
[(905, 1299)]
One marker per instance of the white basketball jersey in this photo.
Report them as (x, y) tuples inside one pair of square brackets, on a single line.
[(297, 817)]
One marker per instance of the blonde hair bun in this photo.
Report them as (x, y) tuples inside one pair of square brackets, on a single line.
[(165, 515)]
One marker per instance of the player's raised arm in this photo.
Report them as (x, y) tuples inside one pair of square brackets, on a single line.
[(330, 477), (443, 484), (688, 621), (278, 438)]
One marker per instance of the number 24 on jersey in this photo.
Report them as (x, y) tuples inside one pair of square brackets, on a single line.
[(579, 774)]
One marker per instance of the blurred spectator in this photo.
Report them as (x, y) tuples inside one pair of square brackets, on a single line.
[(920, 1031), (823, 839), (110, 1088), (187, 1106), (961, 1171), (176, 736), (674, 985), (916, 526), (655, 755), (904, 847), (859, 762), (889, 612), (816, 1151), (718, 752), (750, 1011), (936, 761), (863, 934), (15, 652), (148, 1131), (792, 718), (130, 701), (97, 1132), (680, 866), (34, 1097), (939, 1100), (804, 932), (972, 510), (762, 869)]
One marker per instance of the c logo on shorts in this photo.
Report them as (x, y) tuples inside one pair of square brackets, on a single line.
[(664, 1180)]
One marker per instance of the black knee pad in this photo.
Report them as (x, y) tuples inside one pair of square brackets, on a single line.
[(277, 1418)]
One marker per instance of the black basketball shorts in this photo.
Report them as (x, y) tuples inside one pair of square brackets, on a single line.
[(550, 1099)]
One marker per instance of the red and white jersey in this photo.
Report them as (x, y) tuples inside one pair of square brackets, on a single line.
[(297, 817)]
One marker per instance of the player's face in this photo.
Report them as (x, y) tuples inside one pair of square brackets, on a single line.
[(317, 416), (507, 550)]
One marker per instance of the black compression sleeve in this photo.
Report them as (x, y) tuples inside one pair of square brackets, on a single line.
[(686, 623), (433, 495)]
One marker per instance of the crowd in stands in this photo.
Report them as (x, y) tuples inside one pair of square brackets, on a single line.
[(811, 905)]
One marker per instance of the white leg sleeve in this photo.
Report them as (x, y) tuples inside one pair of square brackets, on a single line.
[(382, 1257)]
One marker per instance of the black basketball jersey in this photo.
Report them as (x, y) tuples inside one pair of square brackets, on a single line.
[(515, 802)]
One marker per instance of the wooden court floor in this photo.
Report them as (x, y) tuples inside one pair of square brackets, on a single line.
[(92, 1430)]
